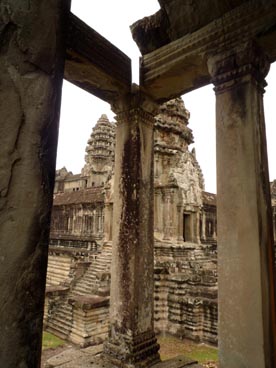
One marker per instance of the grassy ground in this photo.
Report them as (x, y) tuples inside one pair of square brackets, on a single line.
[(171, 347), (50, 341)]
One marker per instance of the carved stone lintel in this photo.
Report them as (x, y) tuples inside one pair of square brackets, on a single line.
[(235, 65), (180, 66), (135, 115)]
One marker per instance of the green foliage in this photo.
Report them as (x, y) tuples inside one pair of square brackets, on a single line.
[(171, 347), (50, 341)]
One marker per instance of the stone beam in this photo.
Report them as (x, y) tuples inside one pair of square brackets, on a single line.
[(94, 64), (181, 66)]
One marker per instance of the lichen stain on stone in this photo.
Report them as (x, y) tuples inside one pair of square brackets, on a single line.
[(129, 224)]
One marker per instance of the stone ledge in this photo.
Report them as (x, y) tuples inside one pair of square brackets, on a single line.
[(56, 290), (89, 302)]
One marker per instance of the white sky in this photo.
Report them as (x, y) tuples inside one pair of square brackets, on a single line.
[(80, 110)]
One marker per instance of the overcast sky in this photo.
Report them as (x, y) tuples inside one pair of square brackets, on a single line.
[(80, 110)]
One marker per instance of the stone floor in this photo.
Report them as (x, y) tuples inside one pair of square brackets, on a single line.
[(91, 357)]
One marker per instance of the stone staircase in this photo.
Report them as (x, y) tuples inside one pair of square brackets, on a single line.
[(58, 269), (95, 274), (60, 319)]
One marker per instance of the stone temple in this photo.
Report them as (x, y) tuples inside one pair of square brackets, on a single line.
[(185, 271), (184, 46)]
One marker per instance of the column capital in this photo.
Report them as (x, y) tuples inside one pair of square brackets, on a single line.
[(233, 66), (137, 100)]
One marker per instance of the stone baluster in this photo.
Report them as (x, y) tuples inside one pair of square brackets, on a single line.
[(245, 235), (31, 71), (132, 340)]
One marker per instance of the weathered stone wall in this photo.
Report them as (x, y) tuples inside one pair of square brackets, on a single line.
[(186, 291)]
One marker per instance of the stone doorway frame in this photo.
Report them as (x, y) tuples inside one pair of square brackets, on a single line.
[(36, 39)]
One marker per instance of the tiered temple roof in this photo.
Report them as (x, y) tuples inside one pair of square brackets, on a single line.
[(100, 149)]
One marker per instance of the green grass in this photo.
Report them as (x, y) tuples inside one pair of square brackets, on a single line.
[(50, 341), (171, 347)]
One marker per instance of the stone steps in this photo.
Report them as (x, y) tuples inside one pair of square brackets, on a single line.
[(58, 269), (89, 282), (60, 323), (88, 326)]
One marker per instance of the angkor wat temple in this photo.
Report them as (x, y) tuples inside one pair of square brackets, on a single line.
[(78, 278), (185, 272)]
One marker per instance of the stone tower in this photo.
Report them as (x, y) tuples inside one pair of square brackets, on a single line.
[(99, 156), (178, 179)]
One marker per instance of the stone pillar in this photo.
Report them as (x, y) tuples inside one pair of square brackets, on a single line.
[(167, 214), (132, 341), (174, 216), (94, 222), (32, 43), (180, 223), (197, 227), (100, 220), (158, 212), (245, 236), (156, 208), (203, 225)]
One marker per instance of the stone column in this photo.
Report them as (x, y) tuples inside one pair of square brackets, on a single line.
[(111, 221), (203, 225), (32, 43), (167, 214), (158, 212), (180, 223), (245, 236), (100, 214), (156, 208), (197, 227), (94, 222), (132, 341)]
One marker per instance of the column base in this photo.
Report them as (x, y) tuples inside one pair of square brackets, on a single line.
[(132, 351)]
